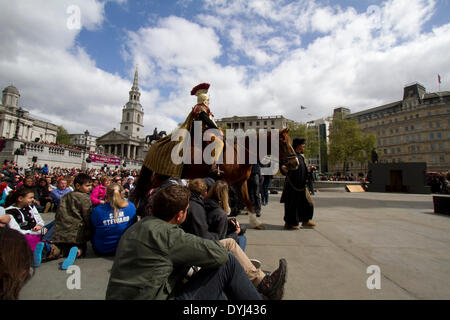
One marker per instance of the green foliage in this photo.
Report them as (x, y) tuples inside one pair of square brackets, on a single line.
[(300, 130), (347, 143), (62, 136)]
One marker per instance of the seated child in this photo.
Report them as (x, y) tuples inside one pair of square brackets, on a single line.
[(72, 225), (23, 215)]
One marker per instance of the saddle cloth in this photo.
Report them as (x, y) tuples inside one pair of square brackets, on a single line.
[(158, 158)]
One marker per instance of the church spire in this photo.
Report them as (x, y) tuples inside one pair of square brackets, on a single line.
[(134, 93), (135, 82)]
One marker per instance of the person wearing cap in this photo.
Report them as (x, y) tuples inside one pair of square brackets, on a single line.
[(129, 186), (201, 112), (298, 206)]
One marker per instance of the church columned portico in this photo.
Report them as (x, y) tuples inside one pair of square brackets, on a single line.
[(128, 142)]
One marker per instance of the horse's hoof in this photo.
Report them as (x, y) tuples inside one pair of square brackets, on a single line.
[(260, 227)]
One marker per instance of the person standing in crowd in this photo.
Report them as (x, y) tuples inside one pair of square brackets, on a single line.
[(60, 191), (298, 205), (310, 180), (98, 194), (110, 220), (254, 188), (16, 263), (129, 186), (44, 169), (267, 179), (158, 238)]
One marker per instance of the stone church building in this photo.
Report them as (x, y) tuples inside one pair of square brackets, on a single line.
[(129, 141)]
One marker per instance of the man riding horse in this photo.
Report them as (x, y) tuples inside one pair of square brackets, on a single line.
[(201, 112)]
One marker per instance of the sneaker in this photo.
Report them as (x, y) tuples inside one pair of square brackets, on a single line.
[(272, 286), (37, 255), (70, 258)]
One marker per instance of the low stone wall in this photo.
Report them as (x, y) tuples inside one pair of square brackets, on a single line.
[(54, 156)]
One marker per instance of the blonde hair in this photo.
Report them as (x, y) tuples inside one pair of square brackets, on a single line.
[(103, 179), (114, 197), (219, 192)]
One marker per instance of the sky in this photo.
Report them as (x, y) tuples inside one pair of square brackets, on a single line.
[(73, 61)]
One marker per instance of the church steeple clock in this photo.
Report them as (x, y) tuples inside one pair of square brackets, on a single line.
[(133, 113)]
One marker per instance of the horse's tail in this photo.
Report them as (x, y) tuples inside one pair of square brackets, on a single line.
[(143, 185)]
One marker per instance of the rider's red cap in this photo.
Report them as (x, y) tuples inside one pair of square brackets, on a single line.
[(201, 86)]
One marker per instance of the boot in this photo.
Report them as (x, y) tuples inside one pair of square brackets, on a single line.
[(272, 286), (215, 170)]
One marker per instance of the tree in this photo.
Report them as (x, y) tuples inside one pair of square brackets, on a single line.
[(62, 136), (347, 142), (311, 134)]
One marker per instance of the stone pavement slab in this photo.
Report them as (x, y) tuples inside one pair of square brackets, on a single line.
[(399, 233)]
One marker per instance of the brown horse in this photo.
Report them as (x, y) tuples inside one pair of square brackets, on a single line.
[(235, 173)]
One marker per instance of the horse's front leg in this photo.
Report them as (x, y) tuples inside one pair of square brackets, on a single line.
[(253, 221)]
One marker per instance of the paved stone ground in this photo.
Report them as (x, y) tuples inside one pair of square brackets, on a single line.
[(397, 232)]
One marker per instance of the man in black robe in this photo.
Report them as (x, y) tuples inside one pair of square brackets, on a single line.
[(298, 205)]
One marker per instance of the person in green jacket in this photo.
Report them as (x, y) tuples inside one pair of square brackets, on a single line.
[(154, 255), (72, 228)]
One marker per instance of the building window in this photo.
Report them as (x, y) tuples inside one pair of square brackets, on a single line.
[(128, 116), (432, 147), (439, 135), (406, 128), (257, 123), (273, 122), (126, 127), (392, 151), (398, 150), (250, 123), (412, 127), (265, 123), (417, 115), (440, 146), (137, 129), (432, 136), (396, 130), (441, 159), (138, 118), (438, 124)]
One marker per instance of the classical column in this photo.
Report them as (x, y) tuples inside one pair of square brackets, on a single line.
[(134, 152), (121, 149), (128, 151)]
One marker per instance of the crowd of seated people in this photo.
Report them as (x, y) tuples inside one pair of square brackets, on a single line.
[(92, 213)]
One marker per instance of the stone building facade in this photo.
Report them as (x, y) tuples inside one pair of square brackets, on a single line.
[(254, 122), (16, 122), (414, 129)]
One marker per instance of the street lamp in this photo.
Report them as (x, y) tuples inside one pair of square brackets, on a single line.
[(86, 135)]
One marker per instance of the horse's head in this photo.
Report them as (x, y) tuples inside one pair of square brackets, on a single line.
[(288, 157)]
